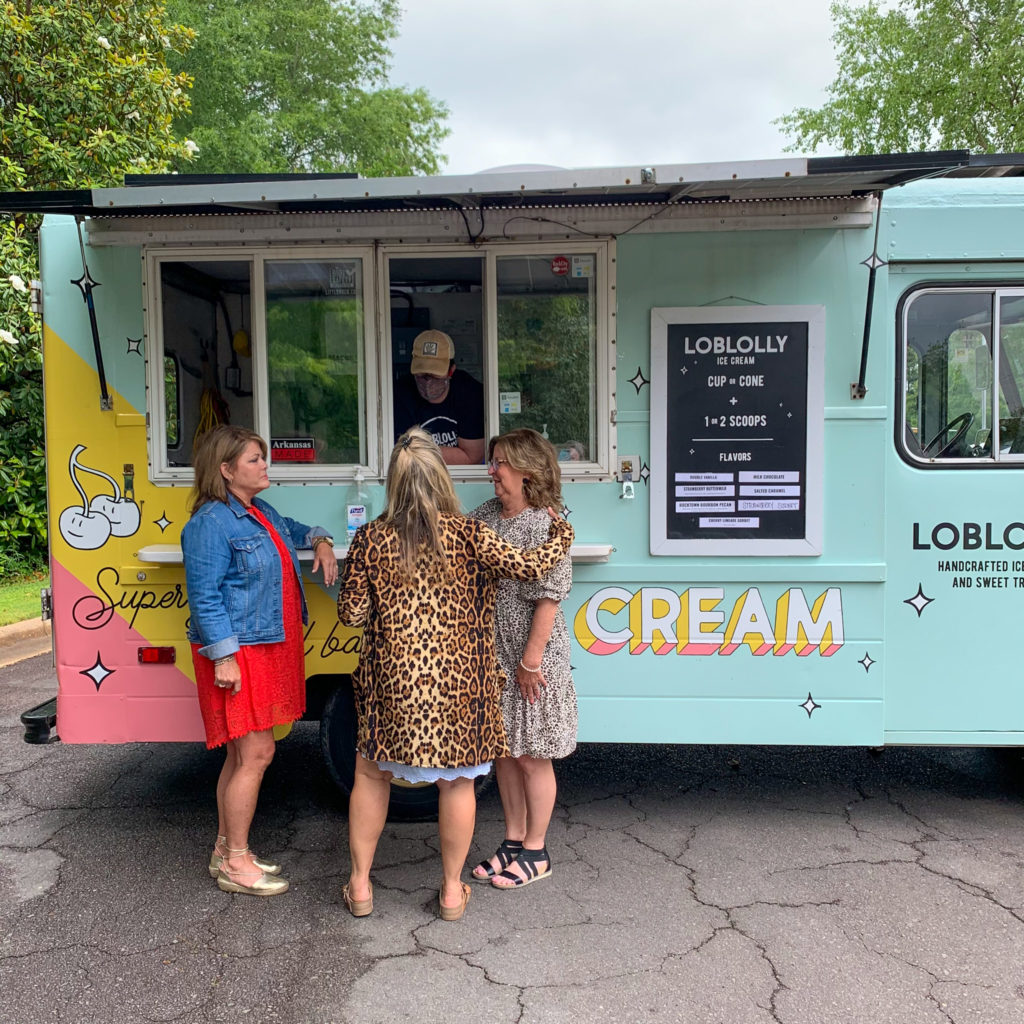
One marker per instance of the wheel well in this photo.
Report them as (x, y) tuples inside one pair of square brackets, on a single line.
[(318, 689)]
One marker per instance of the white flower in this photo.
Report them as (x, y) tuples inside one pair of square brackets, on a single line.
[(104, 42), (143, 39), (165, 41), (132, 115), (191, 148), (17, 283), (8, 338)]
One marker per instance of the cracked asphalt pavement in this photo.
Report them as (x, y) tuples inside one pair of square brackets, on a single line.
[(726, 885)]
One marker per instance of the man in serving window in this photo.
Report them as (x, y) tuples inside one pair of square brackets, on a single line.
[(447, 403)]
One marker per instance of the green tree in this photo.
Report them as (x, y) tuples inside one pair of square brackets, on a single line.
[(301, 85), (926, 74), (85, 95)]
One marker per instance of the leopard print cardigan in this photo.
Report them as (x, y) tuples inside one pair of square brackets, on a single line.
[(428, 683)]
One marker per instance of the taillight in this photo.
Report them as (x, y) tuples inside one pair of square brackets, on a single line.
[(156, 655)]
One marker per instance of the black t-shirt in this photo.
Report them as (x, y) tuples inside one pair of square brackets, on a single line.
[(461, 414)]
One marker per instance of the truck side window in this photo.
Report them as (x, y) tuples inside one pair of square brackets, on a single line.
[(315, 370), (963, 376), (206, 307), (547, 343)]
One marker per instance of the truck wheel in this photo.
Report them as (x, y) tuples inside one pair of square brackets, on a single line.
[(409, 802)]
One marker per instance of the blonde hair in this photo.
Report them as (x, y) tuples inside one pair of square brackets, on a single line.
[(419, 492), (217, 446), (530, 453)]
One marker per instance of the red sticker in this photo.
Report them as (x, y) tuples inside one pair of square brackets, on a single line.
[(293, 449), (560, 265)]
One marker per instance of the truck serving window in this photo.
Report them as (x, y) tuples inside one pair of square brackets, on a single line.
[(315, 369), (270, 342), (547, 345), (526, 323), (310, 347), (962, 376)]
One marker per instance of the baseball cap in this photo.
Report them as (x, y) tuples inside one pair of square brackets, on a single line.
[(432, 352)]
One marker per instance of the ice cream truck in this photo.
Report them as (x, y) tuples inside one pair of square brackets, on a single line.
[(786, 396)]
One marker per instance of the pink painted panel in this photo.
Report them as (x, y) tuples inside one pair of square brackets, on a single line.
[(105, 695)]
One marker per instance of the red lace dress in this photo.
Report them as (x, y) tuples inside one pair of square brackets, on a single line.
[(273, 675)]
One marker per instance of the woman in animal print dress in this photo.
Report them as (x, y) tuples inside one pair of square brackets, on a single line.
[(539, 701)]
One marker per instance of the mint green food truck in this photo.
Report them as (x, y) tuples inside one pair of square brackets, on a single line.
[(786, 397)]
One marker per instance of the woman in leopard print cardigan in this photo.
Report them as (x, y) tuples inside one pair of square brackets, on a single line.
[(421, 581)]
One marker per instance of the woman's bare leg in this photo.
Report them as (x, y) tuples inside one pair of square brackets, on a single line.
[(237, 799), (367, 812), (230, 764), (540, 790), (456, 818), (512, 789)]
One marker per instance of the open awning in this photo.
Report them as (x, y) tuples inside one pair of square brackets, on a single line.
[(783, 178)]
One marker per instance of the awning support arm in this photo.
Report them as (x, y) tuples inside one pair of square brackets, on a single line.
[(858, 390), (86, 284)]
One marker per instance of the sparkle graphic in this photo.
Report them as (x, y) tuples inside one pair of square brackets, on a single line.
[(866, 661), (85, 282), (809, 706), (134, 345), (919, 601), (163, 522), (645, 471), (733, 400), (638, 380), (873, 262), (684, 370), (98, 672), (691, 451), (566, 512)]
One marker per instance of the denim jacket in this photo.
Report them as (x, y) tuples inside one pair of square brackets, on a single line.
[(233, 575)]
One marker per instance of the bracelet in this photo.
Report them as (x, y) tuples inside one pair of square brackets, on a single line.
[(224, 660), (526, 668), (321, 540)]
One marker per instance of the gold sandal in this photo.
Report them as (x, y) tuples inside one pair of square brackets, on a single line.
[(265, 885), (216, 859)]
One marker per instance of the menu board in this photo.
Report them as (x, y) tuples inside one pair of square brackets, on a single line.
[(736, 430)]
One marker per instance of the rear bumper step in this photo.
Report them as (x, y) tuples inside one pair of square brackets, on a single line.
[(41, 723)]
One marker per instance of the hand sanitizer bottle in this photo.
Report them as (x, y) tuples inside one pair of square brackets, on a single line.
[(357, 505)]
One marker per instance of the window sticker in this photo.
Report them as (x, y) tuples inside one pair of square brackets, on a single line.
[(509, 401), (583, 266), (293, 449)]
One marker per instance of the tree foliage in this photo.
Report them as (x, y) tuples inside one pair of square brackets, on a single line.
[(85, 95), (925, 74), (301, 85)]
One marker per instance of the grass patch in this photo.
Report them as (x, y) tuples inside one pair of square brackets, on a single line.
[(19, 598)]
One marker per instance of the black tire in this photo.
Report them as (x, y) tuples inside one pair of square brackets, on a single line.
[(338, 744)]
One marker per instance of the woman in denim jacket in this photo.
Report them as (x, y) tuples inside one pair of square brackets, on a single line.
[(247, 613)]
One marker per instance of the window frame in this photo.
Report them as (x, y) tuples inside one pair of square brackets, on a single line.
[(996, 290), (604, 367), (376, 400), (154, 257)]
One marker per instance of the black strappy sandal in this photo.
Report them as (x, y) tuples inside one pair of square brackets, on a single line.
[(506, 853), (527, 860)]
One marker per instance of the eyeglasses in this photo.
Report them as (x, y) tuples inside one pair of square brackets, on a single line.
[(496, 464)]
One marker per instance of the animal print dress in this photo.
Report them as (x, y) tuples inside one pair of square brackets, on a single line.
[(546, 728)]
